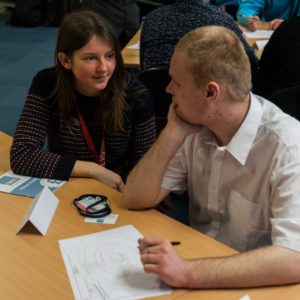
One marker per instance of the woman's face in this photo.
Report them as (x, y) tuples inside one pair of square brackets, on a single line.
[(92, 66)]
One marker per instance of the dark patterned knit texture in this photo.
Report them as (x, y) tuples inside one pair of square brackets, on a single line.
[(40, 120), (165, 26)]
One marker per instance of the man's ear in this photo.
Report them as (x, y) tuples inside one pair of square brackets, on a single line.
[(212, 90), (65, 60)]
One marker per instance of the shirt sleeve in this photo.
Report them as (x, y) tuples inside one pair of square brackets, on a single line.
[(28, 155), (175, 177), (285, 183), (249, 8)]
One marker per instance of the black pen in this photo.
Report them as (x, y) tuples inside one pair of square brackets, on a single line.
[(173, 243)]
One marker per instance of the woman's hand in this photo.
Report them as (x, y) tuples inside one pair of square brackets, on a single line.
[(109, 178), (93, 170)]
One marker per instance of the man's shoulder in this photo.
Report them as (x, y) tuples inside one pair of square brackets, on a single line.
[(282, 126), (158, 13)]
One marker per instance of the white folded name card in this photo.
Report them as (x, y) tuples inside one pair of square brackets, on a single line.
[(41, 211)]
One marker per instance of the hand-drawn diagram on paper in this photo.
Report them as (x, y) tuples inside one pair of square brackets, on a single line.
[(106, 265)]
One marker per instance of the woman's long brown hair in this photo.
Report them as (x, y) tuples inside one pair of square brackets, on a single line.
[(76, 30)]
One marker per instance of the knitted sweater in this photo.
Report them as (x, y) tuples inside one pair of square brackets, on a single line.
[(40, 119), (165, 26)]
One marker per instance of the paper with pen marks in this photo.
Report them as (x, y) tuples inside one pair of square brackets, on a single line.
[(106, 265)]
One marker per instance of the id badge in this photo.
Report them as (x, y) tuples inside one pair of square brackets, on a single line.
[(89, 201), (92, 205)]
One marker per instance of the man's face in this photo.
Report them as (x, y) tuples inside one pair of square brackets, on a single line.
[(188, 99)]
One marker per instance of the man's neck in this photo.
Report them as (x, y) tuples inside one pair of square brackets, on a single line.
[(226, 124)]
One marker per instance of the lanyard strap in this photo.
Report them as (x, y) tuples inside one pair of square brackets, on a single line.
[(89, 141)]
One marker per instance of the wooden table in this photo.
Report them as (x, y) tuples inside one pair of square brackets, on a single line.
[(130, 56), (31, 265), (251, 41)]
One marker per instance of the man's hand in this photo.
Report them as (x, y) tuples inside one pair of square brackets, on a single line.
[(266, 266), (253, 23), (158, 256), (179, 128)]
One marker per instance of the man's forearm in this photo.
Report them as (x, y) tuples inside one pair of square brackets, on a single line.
[(143, 186), (268, 266)]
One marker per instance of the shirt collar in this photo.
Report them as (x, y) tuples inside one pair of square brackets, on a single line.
[(241, 143)]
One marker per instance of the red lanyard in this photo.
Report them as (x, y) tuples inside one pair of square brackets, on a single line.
[(89, 141)]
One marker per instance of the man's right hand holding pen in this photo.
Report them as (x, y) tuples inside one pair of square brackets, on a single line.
[(159, 257)]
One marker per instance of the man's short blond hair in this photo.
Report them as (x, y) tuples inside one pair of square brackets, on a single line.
[(215, 53)]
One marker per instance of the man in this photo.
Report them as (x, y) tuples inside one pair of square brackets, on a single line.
[(238, 156), (166, 25)]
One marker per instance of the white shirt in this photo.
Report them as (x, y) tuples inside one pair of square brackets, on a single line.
[(245, 194)]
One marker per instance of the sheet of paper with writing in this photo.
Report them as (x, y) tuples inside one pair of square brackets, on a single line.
[(106, 265)]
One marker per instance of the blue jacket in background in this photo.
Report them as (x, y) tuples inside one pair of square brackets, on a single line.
[(267, 10), (222, 3)]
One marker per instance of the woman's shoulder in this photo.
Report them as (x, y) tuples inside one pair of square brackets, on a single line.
[(138, 96), (44, 82), (136, 90), (133, 83)]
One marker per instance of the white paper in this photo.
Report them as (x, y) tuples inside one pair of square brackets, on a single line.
[(106, 265), (261, 44), (134, 46), (41, 211), (110, 219), (246, 297), (258, 34)]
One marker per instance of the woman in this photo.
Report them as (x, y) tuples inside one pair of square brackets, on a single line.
[(98, 120)]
